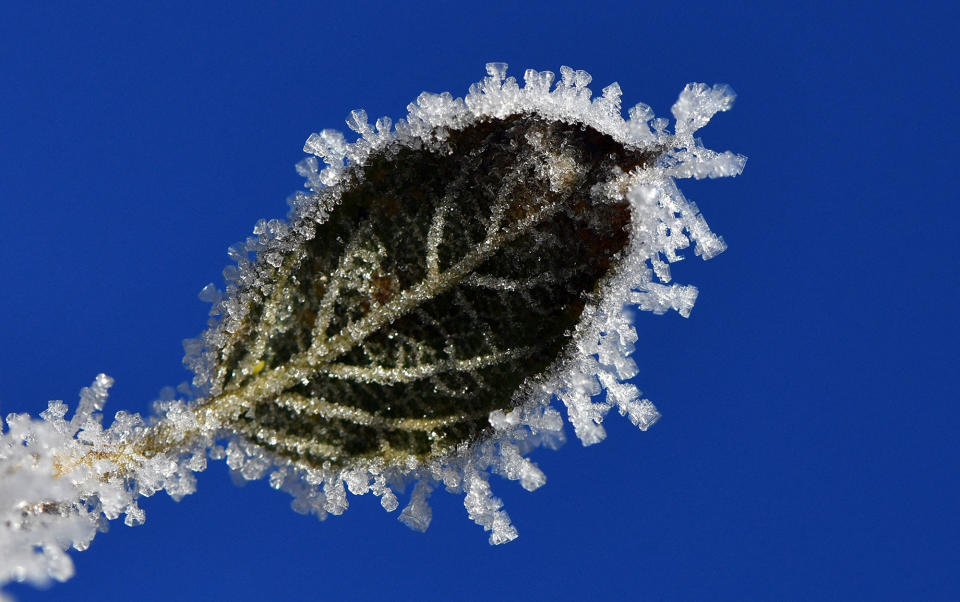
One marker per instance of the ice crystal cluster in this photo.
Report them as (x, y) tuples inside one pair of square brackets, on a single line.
[(448, 283)]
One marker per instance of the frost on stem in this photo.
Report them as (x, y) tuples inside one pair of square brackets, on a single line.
[(62, 480), (443, 281)]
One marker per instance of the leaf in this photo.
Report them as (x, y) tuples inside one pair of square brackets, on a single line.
[(446, 280)]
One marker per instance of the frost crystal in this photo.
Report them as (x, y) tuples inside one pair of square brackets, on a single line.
[(445, 280), (61, 480)]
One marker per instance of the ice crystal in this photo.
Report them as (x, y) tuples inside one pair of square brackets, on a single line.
[(443, 282)]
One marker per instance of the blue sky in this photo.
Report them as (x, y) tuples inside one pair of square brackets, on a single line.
[(806, 446)]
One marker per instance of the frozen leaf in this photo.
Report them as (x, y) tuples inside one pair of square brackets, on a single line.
[(447, 277)]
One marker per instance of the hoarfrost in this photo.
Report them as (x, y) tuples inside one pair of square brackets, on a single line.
[(663, 224), (61, 480)]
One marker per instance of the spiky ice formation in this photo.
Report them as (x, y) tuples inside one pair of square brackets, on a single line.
[(62, 480), (444, 280)]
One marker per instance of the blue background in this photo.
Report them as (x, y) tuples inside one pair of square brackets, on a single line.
[(806, 449)]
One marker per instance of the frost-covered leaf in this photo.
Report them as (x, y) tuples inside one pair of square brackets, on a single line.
[(446, 278), (450, 277)]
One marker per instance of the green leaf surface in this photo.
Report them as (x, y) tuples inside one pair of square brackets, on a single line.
[(446, 280)]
